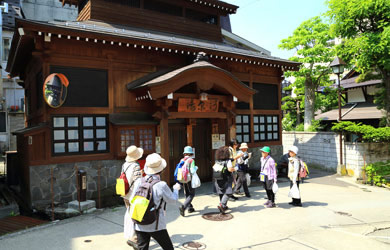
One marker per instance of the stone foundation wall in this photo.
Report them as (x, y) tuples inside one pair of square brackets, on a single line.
[(64, 182), (322, 149)]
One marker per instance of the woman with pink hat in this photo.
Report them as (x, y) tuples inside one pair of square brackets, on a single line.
[(161, 195)]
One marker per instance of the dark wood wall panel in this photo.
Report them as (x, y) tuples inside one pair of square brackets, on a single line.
[(154, 21)]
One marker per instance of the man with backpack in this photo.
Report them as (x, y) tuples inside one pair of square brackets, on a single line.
[(133, 171), (158, 194), (186, 167)]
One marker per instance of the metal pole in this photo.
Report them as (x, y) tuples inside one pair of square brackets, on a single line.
[(78, 188), (99, 203), (341, 133), (52, 194)]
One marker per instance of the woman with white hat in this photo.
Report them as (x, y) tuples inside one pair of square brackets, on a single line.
[(133, 171), (293, 170), (162, 195), (242, 163)]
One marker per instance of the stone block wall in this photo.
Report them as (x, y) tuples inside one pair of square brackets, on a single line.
[(254, 162), (64, 182), (322, 149)]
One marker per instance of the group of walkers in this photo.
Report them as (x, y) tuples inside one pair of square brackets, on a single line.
[(230, 178)]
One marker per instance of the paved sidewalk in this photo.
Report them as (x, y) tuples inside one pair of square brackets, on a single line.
[(336, 214)]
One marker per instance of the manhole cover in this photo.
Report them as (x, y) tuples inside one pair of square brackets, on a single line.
[(343, 213), (87, 241), (194, 245), (217, 216)]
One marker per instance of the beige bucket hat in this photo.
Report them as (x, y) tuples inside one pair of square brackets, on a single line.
[(244, 145), (133, 153), (154, 164)]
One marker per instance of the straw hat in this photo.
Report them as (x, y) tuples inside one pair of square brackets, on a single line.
[(133, 153), (244, 145), (154, 164), (294, 149)]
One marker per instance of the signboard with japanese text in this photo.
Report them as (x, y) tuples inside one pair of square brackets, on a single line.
[(196, 105)]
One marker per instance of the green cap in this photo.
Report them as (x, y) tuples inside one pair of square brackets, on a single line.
[(266, 149)]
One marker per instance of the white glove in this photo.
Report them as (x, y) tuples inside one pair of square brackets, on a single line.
[(177, 186)]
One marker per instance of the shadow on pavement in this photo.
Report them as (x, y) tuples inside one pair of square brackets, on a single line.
[(285, 205)]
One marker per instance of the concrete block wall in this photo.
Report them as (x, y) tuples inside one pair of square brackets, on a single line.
[(322, 149)]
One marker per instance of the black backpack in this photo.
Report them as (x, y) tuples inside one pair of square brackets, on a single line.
[(145, 189)]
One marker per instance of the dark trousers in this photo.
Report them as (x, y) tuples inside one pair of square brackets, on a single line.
[(223, 198), (270, 193), (241, 181), (295, 201), (189, 192), (162, 238)]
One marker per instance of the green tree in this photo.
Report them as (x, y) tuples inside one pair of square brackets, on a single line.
[(364, 26), (311, 40)]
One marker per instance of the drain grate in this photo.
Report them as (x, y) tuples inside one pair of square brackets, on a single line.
[(194, 245), (343, 213), (217, 216)]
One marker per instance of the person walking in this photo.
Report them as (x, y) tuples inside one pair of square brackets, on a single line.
[(189, 192), (293, 171), (133, 171), (223, 182), (233, 158), (162, 194), (268, 175), (242, 164)]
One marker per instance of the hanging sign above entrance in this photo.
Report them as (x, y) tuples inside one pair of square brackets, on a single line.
[(196, 105), (55, 89)]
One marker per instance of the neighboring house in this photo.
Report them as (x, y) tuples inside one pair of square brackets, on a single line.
[(359, 105), (151, 73), (11, 94), (48, 10)]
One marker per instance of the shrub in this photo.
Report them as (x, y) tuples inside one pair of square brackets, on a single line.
[(378, 173), (366, 133)]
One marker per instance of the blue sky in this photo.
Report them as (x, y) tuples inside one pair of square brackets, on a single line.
[(267, 22)]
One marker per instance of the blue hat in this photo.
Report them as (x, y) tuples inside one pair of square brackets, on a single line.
[(188, 150)]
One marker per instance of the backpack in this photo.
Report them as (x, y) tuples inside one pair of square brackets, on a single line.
[(182, 172), (303, 170), (122, 185), (143, 210), (219, 170)]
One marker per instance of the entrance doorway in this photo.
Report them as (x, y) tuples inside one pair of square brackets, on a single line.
[(201, 139)]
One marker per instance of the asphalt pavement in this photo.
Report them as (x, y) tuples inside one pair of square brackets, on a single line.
[(337, 213)]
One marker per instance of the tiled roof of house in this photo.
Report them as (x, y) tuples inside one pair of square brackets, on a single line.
[(14, 10)]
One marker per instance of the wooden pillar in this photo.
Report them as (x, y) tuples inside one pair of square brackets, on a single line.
[(164, 140)]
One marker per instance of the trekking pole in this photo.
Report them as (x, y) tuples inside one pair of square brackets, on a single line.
[(52, 194)]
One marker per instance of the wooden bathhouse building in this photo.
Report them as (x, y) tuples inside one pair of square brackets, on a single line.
[(158, 74)]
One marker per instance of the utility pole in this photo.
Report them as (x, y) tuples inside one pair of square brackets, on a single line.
[(4, 8)]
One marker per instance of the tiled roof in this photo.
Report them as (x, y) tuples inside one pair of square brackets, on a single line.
[(155, 36), (359, 111), (14, 10)]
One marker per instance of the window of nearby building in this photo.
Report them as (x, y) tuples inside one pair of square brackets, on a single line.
[(6, 48), (80, 134), (3, 122), (140, 136), (266, 127), (243, 128)]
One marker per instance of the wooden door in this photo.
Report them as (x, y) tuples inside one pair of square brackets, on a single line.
[(177, 142), (201, 138)]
